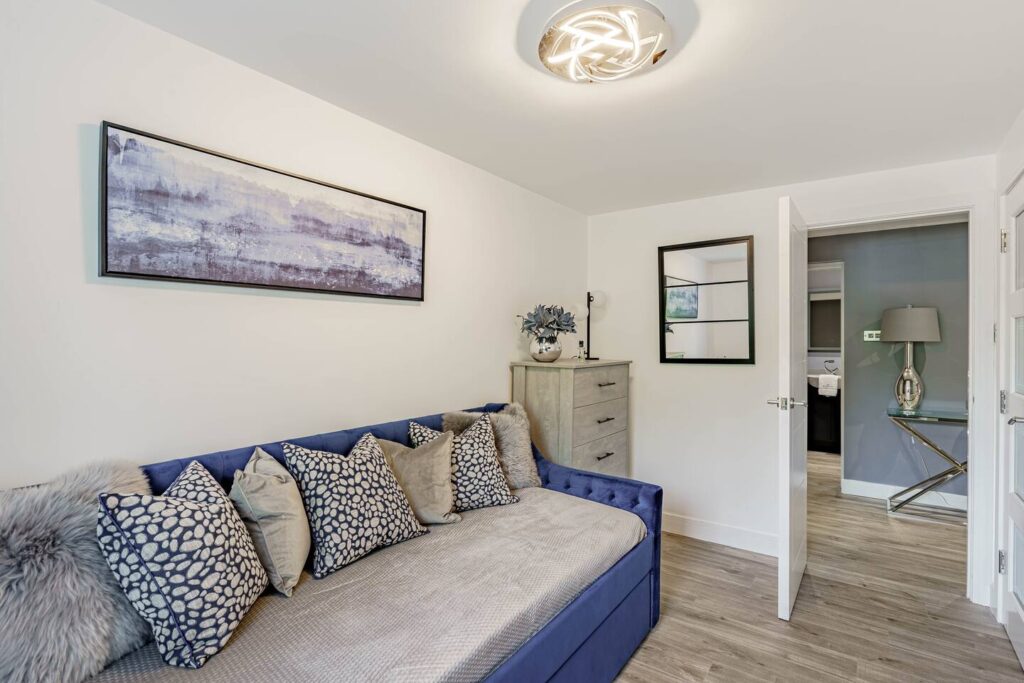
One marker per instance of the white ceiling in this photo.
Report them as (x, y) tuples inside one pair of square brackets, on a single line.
[(764, 93)]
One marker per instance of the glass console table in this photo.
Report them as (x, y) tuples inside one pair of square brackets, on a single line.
[(906, 420)]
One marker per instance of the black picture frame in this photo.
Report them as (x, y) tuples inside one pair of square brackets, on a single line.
[(662, 301), (106, 271)]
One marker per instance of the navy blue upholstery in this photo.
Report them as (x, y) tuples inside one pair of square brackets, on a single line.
[(595, 635), (643, 500), (223, 464)]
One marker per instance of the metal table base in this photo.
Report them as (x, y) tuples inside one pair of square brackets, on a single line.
[(908, 495)]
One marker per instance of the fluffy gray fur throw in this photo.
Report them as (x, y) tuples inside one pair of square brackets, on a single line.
[(63, 616)]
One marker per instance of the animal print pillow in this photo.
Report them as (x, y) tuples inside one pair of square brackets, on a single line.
[(477, 478), (186, 562), (354, 503), (512, 436)]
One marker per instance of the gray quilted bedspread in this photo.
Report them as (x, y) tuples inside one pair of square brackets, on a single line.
[(448, 606)]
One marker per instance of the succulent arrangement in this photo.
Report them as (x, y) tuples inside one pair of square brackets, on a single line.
[(548, 321)]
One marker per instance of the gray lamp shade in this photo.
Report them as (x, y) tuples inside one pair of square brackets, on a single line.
[(910, 325)]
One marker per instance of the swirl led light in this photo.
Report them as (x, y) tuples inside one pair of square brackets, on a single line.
[(587, 44)]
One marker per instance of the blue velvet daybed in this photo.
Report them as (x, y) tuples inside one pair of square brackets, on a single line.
[(590, 639)]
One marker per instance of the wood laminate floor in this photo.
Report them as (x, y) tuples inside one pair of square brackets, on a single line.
[(882, 600)]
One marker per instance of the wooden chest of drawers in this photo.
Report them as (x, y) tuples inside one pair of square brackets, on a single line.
[(579, 411)]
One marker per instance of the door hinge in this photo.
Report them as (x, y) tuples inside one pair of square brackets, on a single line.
[(1001, 561), (995, 333), (1004, 241), (1002, 401)]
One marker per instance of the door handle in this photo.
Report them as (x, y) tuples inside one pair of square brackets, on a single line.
[(1014, 420), (782, 403), (605, 419), (606, 455), (605, 384), (772, 401), (794, 402)]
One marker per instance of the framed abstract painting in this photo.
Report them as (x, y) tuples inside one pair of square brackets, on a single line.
[(174, 211), (680, 298)]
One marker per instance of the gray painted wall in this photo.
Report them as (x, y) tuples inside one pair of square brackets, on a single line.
[(919, 266)]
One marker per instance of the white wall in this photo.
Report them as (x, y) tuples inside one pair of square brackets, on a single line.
[(94, 368), (1010, 155), (703, 431)]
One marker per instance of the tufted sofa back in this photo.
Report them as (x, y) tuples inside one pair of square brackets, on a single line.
[(223, 464)]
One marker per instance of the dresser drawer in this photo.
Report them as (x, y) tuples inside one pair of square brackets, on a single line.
[(598, 421), (594, 385), (609, 455)]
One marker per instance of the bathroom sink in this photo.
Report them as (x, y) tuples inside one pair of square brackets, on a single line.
[(813, 380)]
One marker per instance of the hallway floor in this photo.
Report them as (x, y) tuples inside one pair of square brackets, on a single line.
[(882, 600)]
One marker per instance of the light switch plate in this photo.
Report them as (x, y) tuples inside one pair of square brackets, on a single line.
[(872, 335)]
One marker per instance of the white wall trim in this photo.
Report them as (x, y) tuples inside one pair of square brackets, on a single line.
[(911, 220), (871, 489), (722, 534)]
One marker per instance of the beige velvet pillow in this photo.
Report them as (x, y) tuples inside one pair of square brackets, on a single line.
[(425, 474), (269, 502), (512, 435)]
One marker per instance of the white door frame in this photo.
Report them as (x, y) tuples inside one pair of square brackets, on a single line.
[(1006, 362), (979, 210)]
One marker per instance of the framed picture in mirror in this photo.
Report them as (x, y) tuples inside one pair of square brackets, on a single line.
[(706, 301)]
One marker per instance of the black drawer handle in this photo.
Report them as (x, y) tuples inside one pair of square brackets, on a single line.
[(605, 419), (606, 455), (602, 385)]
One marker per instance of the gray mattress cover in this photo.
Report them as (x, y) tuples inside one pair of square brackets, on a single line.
[(448, 606)]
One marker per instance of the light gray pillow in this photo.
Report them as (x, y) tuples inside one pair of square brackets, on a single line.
[(512, 434), (63, 616), (268, 500), (425, 474)]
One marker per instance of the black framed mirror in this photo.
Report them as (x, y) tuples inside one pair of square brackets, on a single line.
[(706, 299)]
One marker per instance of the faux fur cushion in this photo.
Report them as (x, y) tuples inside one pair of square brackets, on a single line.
[(512, 434), (63, 617)]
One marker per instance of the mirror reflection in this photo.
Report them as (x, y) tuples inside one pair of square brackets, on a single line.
[(707, 299)]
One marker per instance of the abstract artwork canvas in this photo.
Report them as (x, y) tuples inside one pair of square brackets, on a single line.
[(681, 301), (172, 211)]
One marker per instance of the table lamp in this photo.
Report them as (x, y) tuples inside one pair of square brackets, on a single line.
[(597, 299), (910, 325)]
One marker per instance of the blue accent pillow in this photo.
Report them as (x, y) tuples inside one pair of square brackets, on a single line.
[(354, 503), (185, 561)]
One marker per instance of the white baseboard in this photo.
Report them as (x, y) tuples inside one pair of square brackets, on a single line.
[(723, 534), (870, 489)]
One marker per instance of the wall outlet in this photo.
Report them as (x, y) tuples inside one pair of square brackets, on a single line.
[(872, 335)]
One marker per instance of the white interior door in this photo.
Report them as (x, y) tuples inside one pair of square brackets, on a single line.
[(792, 404), (1012, 431)]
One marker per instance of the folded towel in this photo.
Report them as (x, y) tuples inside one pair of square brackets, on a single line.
[(828, 385)]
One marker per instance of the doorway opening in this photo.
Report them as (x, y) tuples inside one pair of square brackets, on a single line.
[(796, 241), (875, 297), (887, 464)]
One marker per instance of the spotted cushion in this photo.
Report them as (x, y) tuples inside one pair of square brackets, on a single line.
[(185, 561), (354, 503), (477, 479)]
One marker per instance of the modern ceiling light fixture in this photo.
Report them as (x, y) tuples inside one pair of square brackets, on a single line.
[(590, 42)]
